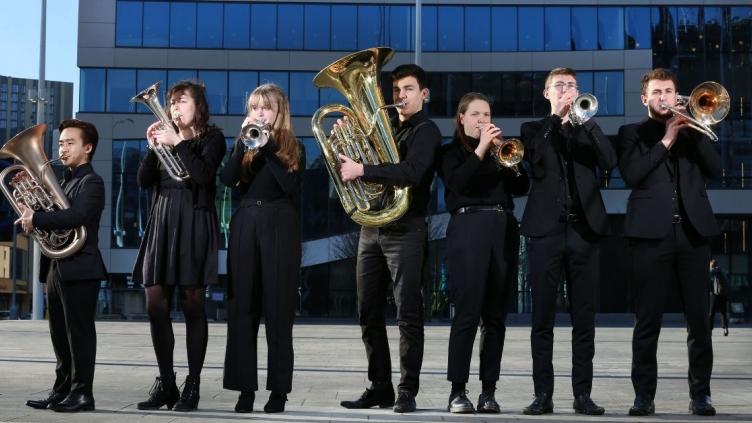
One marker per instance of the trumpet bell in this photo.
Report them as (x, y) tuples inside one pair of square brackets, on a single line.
[(584, 107)]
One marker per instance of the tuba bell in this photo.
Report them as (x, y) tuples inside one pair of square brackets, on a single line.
[(366, 137), (708, 104), (584, 107), (33, 184), (170, 161)]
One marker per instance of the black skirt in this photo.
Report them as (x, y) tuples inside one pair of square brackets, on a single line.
[(181, 242)]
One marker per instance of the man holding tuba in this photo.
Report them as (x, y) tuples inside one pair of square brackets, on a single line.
[(667, 224), (564, 220), (73, 281), (395, 252)]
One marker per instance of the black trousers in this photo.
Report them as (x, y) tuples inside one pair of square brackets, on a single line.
[(263, 264), (570, 252), (72, 307), (683, 256), (718, 305), (480, 264), (393, 253)]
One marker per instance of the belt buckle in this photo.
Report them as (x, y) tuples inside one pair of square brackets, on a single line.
[(573, 218), (676, 218)]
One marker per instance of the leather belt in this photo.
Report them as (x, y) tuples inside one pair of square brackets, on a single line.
[(472, 209), (570, 218), (676, 218)]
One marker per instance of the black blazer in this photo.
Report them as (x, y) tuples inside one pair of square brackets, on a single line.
[(590, 148), (646, 168), (85, 191)]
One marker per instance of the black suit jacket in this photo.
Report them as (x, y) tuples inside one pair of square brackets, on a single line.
[(85, 191), (646, 168), (590, 148)]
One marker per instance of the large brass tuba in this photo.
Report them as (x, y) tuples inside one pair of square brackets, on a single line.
[(708, 104), (366, 138), (170, 161), (39, 190)]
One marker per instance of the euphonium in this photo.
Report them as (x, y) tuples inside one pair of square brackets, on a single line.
[(583, 108), (366, 137), (254, 135), (508, 153), (34, 185), (171, 162), (707, 105)]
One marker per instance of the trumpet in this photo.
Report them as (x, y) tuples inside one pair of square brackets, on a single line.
[(708, 104), (255, 135), (584, 107), (508, 153)]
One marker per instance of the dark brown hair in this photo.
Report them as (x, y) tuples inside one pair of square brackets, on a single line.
[(89, 133), (403, 71), (197, 92), (659, 74), (459, 130)]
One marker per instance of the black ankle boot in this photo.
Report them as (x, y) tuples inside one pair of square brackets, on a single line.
[(276, 403), (189, 396), (245, 402), (163, 392)]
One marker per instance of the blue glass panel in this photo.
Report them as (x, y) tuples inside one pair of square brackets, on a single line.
[(279, 78), (128, 21), (316, 27), (530, 28), (611, 28), (91, 95), (637, 27), (556, 29), (156, 24), (344, 27), (477, 28), (428, 31), (209, 26), (291, 36), (182, 25), (451, 28), (584, 28), (176, 75), (370, 26), (585, 82), (313, 152), (504, 28), (121, 86), (241, 86), (237, 23), (690, 30), (740, 20), (146, 77), (216, 90), (664, 23), (400, 28), (304, 96), (264, 26), (714, 28), (329, 96), (609, 89)]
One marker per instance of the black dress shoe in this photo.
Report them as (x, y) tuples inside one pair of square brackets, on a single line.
[(642, 407), (405, 402), (542, 404), (190, 394), (381, 395), (487, 403), (52, 399), (276, 403), (245, 402), (702, 406), (584, 405), (74, 403), (163, 392), (459, 404)]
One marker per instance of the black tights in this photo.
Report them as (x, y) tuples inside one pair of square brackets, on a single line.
[(158, 300)]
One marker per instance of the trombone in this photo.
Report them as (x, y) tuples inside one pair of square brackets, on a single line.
[(708, 104)]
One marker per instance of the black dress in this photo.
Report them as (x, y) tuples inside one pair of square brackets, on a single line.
[(181, 241)]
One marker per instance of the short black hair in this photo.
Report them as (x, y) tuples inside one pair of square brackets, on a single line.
[(403, 71), (89, 132)]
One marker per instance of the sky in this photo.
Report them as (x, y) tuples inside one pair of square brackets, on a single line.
[(19, 40)]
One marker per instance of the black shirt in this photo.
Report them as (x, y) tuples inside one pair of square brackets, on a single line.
[(470, 181), (564, 142), (418, 140)]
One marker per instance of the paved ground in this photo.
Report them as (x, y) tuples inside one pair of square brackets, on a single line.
[(330, 364)]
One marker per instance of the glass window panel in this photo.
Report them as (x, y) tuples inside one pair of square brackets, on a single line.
[(488, 83), (541, 106), (304, 96), (741, 29), (313, 152), (399, 34), (330, 95), (264, 26), (611, 28), (344, 27), (504, 28), (370, 26), (241, 86), (713, 27), (176, 75), (291, 37), (556, 29), (146, 77), (637, 27), (236, 25), (91, 96), (428, 28), (609, 90), (317, 27), (156, 24), (279, 78), (182, 25), (664, 23), (451, 28), (530, 28), (128, 21), (477, 28), (525, 95), (121, 86), (585, 82), (209, 26), (584, 28), (690, 29), (216, 90)]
